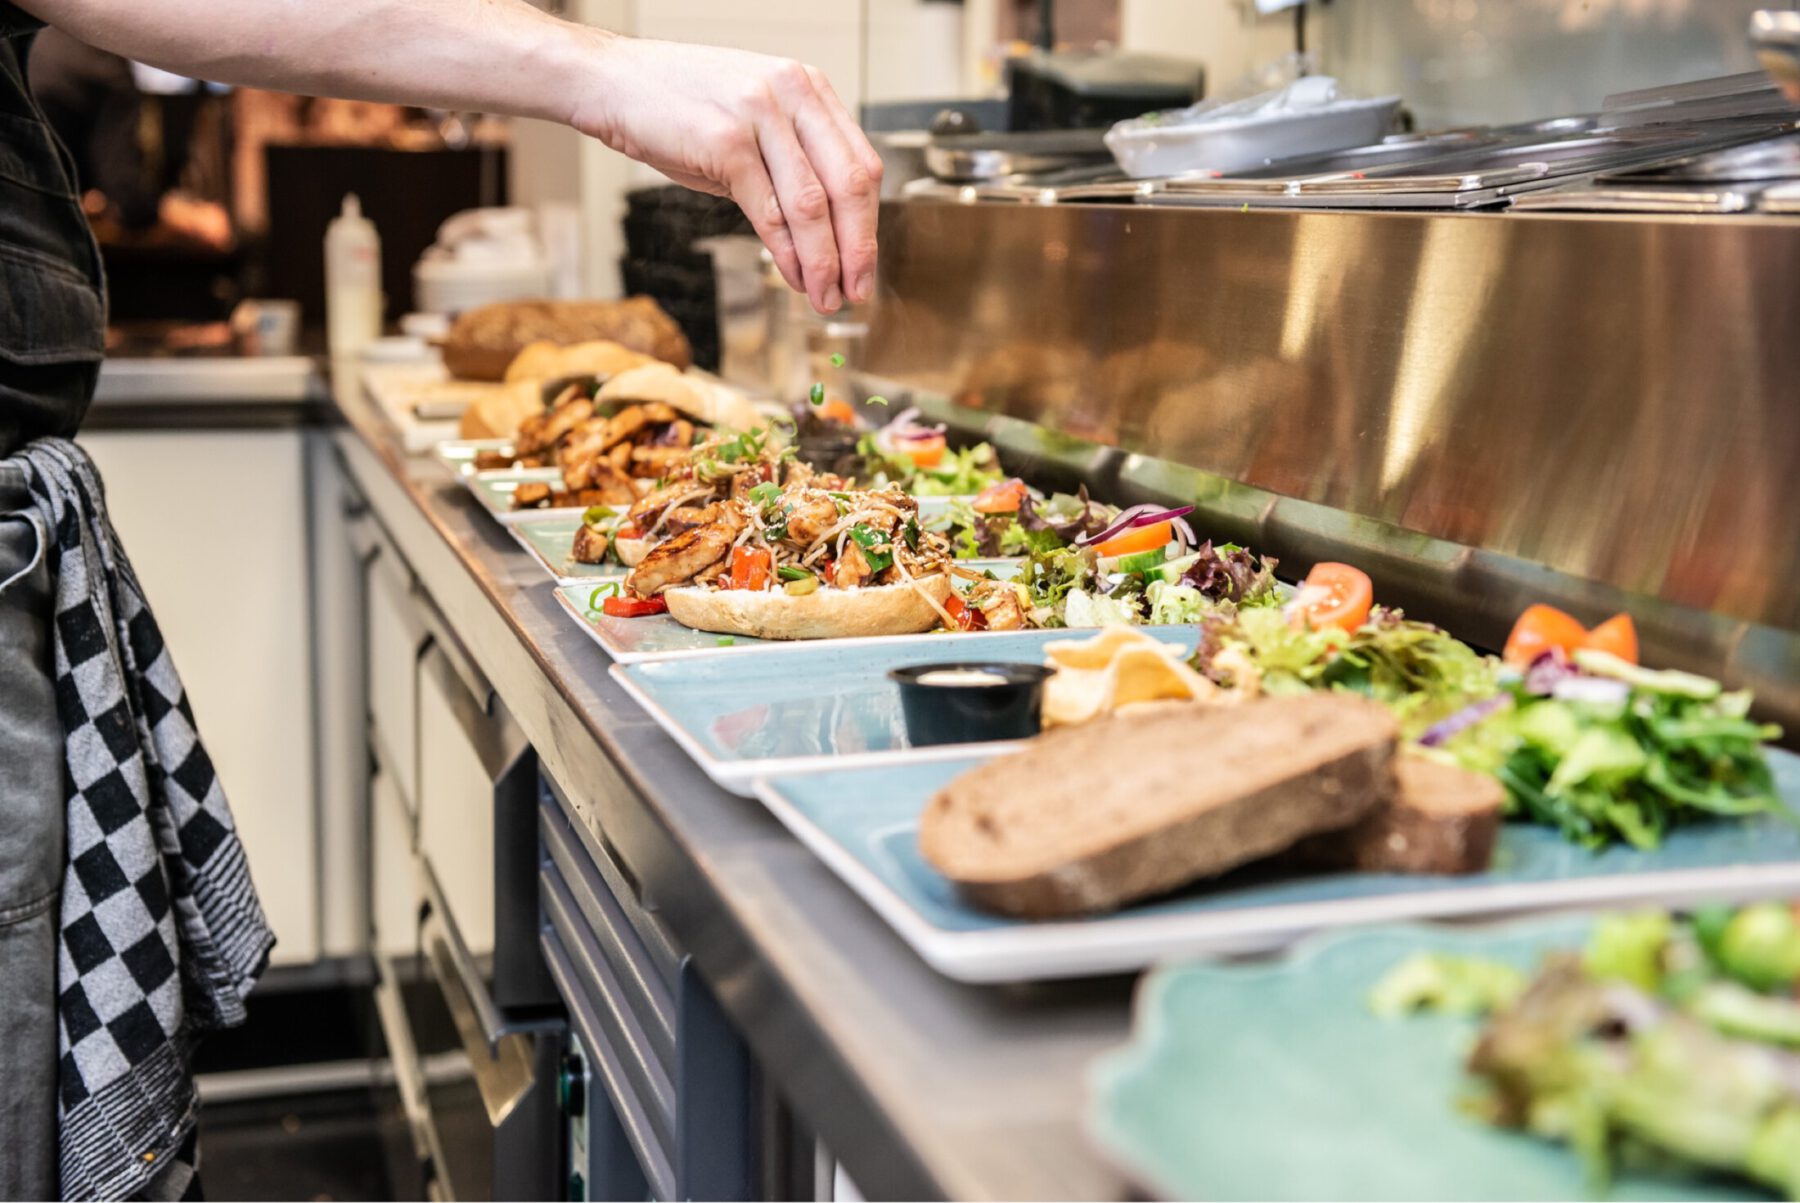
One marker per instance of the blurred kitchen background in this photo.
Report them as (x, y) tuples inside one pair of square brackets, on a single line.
[(204, 197)]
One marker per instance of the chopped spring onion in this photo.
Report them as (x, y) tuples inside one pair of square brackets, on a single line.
[(817, 396), (837, 360), (792, 572), (598, 513)]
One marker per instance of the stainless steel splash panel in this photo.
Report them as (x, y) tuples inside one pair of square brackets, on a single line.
[(1469, 62), (1486, 411)]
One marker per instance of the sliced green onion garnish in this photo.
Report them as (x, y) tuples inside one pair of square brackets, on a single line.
[(598, 513), (765, 492), (877, 400), (817, 396), (837, 360), (791, 572)]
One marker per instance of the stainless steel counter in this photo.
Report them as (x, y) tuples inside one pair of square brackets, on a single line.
[(921, 1087)]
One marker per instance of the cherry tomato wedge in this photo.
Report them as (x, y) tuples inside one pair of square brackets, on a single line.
[(1333, 595), (634, 607), (837, 410), (1002, 498), (629, 531), (749, 569), (925, 452), (967, 617), (1136, 539), (1541, 629), (1617, 635)]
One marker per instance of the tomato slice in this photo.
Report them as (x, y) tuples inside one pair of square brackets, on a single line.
[(1617, 635), (1333, 595), (1137, 538), (967, 617), (634, 607), (1003, 498), (629, 531), (925, 452), (837, 410), (1540, 629), (749, 569)]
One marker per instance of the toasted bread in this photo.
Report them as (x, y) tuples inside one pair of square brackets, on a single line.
[(1089, 818), (1443, 819)]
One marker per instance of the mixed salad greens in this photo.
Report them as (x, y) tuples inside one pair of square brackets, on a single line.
[(1668, 1042), (1146, 566), (1605, 751), (1420, 672)]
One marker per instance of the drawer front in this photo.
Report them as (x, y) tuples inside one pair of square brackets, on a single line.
[(614, 1064), (571, 881), (394, 890), (658, 944), (396, 636), (456, 804)]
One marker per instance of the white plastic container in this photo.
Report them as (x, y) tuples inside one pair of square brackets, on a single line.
[(352, 280), (482, 256), (1304, 118)]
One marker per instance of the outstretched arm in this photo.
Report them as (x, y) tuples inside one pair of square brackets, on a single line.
[(769, 133)]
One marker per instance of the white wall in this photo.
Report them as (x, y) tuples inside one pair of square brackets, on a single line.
[(1225, 35), (215, 526)]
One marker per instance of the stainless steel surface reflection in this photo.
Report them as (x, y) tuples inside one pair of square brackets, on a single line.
[(1592, 408)]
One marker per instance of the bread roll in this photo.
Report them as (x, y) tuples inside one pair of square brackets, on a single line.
[(483, 343), (825, 613)]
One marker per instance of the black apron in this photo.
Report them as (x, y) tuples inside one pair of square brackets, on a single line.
[(52, 299)]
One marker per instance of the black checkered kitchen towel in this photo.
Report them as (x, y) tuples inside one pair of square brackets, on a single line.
[(162, 935)]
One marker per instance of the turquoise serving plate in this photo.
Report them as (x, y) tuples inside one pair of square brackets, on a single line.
[(864, 824), (1273, 1080), (458, 455), (824, 706), (659, 637), (550, 540), (495, 490)]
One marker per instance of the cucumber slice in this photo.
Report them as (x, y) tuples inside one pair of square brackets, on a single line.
[(1142, 563)]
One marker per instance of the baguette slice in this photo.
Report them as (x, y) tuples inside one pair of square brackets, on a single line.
[(1089, 818), (1443, 820), (825, 613)]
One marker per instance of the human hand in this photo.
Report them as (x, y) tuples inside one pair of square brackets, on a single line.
[(769, 133)]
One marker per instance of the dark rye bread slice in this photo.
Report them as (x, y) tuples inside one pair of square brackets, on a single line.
[(1091, 817), (1442, 820)]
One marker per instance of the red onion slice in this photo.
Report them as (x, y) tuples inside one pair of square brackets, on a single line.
[(1440, 732), (1137, 515)]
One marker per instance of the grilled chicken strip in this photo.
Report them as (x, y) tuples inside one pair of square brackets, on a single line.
[(812, 517), (590, 545), (688, 555), (852, 568)]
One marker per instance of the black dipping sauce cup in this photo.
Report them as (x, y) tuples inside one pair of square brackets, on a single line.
[(961, 712)]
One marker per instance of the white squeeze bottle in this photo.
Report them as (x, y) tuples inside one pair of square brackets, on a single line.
[(352, 280)]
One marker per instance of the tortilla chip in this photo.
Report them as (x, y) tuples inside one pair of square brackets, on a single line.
[(1140, 670)]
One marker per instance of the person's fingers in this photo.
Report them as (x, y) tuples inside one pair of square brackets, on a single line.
[(807, 207), (748, 183), (853, 133), (854, 195)]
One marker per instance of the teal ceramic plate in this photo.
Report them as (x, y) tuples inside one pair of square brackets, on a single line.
[(864, 824), (659, 637), (549, 540), (458, 455), (1274, 1081), (825, 706), (495, 489)]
